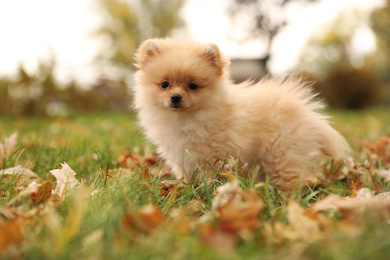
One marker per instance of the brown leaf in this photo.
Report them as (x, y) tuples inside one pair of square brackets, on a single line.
[(151, 217), (43, 193), (167, 186), (10, 234), (236, 210), (134, 161), (130, 160), (379, 150), (220, 240), (215, 237), (147, 218)]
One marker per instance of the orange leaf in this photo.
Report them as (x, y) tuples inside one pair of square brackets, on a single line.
[(236, 210), (43, 193), (10, 233), (151, 217), (166, 186)]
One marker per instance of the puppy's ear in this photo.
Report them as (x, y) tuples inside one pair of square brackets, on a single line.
[(146, 52), (214, 56)]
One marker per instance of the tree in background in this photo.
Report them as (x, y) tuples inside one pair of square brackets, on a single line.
[(260, 19), (127, 23), (330, 48), (380, 23), (345, 79)]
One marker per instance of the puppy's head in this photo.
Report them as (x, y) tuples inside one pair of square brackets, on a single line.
[(180, 76)]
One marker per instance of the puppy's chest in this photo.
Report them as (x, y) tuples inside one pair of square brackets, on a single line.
[(190, 133)]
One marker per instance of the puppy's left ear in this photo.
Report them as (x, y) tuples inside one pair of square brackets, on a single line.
[(146, 52), (214, 56)]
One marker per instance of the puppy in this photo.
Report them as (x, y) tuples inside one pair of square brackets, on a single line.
[(195, 115)]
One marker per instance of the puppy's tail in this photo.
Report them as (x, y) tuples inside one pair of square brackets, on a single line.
[(332, 143)]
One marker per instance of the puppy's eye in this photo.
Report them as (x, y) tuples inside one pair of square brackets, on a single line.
[(165, 84), (192, 86)]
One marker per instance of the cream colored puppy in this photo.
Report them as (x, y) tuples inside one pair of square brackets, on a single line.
[(186, 101)]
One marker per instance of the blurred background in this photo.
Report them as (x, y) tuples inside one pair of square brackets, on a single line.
[(58, 57)]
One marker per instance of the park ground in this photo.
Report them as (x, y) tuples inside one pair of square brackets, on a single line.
[(113, 205)]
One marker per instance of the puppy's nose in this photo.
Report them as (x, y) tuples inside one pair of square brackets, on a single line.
[(176, 99)]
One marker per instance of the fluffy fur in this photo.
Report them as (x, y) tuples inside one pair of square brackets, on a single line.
[(273, 123)]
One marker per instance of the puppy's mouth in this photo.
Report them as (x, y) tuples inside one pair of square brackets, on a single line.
[(176, 106)]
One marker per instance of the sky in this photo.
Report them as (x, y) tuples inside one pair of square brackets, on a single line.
[(32, 30)]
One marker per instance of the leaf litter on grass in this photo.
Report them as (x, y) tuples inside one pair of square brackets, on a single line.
[(236, 215)]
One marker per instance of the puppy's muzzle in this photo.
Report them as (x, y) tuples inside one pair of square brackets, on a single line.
[(176, 101)]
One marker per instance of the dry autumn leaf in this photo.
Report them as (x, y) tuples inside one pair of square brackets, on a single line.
[(65, 180), (379, 150), (7, 147), (236, 210), (167, 186), (150, 216), (147, 218), (22, 176), (351, 208), (43, 193), (302, 226), (135, 161), (24, 194), (10, 233), (385, 174)]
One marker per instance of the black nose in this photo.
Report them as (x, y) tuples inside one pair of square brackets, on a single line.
[(176, 99)]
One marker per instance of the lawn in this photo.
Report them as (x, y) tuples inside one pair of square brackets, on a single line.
[(120, 209)]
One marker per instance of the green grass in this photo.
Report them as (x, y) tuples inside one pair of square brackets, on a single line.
[(88, 143)]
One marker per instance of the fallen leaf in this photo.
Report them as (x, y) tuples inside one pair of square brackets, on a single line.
[(379, 150), (352, 208), (7, 147), (147, 218), (10, 234), (167, 186), (130, 160), (24, 195), (151, 217), (181, 222), (220, 240), (236, 210), (134, 161), (22, 176), (302, 226), (230, 165), (385, 174), (43, 193), (65, 180)]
